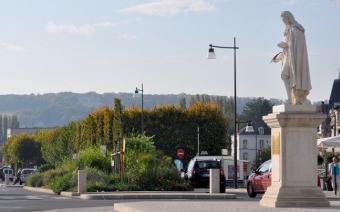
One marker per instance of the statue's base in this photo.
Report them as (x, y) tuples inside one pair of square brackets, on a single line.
[(294, 156), (294, 197)]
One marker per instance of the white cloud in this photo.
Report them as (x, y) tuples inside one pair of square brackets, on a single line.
[(105, 24), (86, 30), (13, 48), (170, 8), (128, 36), (115, 24), (291, 2)]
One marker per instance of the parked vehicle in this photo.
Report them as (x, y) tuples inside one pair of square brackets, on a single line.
[(261, 179), (25, 173), (198, 173), (6, 170), (227, 163)]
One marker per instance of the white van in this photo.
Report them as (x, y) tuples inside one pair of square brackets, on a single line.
[(6, 170)]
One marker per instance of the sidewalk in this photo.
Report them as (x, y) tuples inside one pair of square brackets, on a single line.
[(240, 204), (234, 200)]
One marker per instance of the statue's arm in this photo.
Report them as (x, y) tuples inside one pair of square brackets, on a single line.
[(283, 45)]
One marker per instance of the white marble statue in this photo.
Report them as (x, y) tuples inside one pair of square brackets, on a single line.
[(295, 68)]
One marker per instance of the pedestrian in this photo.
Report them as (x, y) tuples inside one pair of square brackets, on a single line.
[(18, 175), (334, 173)]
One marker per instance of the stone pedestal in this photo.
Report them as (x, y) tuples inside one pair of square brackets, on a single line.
[(294, 157)]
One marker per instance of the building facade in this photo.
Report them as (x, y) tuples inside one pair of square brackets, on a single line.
[(250, 143), (15, 131)]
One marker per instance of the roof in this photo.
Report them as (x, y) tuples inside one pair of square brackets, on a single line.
[(335, 94), (267, 130)]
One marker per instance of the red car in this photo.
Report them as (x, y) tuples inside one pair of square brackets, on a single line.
[(261, 179)]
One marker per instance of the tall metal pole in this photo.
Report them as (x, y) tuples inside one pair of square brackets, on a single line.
[(142, 110), (198, 141), (211, 55), (235, 121), (79, 132), (256, 145)]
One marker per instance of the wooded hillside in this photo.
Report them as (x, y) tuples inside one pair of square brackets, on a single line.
[(55, 109)]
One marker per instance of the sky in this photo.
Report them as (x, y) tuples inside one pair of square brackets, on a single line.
[(115, 46)]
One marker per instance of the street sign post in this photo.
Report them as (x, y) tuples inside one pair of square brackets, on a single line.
[(180, 153)]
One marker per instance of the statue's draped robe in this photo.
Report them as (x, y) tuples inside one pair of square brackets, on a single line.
[(295, 61)]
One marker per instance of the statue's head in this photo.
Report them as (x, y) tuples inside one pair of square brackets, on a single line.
[(287, 16)]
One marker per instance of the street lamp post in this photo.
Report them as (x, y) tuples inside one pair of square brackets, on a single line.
[(137, 92), (198, 141), (212, 55)]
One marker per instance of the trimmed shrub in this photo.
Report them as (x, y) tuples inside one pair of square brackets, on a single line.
[(98, 180), (50, 175), (35, 180), (46, 167), (94, 157), (66, 182)]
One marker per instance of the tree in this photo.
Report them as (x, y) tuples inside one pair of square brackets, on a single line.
[(59, 143), (5, 126), (266, 154), (256, 108), (2, 131), (192, 101), (48, 141), (23, 149), (14, 122), (117, 129), (137, 145), (182, 103)]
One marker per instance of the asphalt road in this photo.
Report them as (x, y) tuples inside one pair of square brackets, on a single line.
[(17, 199)]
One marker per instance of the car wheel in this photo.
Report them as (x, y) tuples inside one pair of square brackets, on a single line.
[(250, 190)]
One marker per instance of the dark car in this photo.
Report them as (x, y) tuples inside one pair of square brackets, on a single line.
[(198, 173), (261, 179)]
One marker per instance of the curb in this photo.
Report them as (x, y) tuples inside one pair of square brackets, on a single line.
[(141, 194), (157, 196), (42, 190)]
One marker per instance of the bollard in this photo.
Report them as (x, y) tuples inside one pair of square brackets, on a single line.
[(6, 179), (82, 175), (214, 181)]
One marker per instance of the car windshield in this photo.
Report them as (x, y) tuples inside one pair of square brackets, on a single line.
[(264, 167), (27, 171), (208, 164)]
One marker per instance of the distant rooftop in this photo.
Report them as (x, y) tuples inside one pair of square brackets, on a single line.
[(335, 94)]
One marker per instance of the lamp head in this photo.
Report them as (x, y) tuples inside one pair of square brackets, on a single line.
[(136, 94), (211, 53), (249, 127)]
